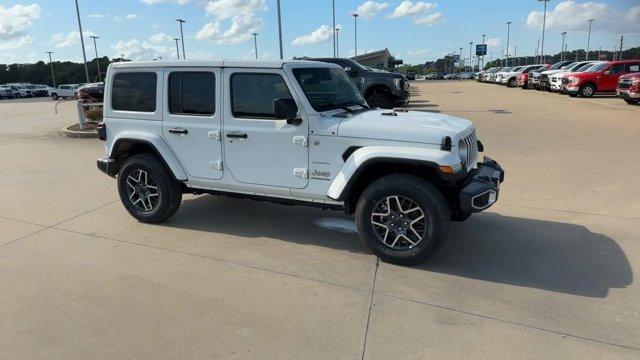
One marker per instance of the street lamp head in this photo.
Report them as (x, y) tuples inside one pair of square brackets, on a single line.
[(355, 15), (181, 21), (509, 22), (94, 37), (255, 34), (564, 33)]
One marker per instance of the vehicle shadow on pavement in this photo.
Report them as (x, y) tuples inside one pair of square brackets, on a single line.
[(553, 256), (248, 218)]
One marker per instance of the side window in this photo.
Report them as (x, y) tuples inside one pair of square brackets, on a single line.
[(134, 91), (192, 93), (632, 68), (616, 69), (252, 95)]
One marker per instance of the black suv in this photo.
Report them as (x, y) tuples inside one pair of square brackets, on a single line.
[(380, 88)]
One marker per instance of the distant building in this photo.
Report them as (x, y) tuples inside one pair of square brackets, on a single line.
[(381, 59)]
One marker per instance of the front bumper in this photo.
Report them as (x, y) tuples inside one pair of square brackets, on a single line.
[(108, 166), (626, 94), (482, 187)]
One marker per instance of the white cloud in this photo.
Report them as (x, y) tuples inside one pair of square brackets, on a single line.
[(408, 8), (155, 47), (127, 17), (570, 15), (159, 38), (151, 2), (430, 20), (493, 43), (225, 9), (14, 22), (98, 16), (63, 40), (242, 26), (240, 15), (320, 35), (369, 9)]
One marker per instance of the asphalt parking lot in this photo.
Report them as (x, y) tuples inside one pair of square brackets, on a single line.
[(547, 273)]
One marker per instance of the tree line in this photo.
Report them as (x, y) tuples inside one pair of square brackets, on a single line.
[(65, 72)]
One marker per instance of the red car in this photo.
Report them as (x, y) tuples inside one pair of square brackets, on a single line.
[(600, 78), (523, 79), (629, 88)]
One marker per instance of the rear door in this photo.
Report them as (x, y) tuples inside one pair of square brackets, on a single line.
[(191, 120), (260, 149)]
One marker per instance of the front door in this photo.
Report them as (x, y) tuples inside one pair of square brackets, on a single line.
[(258, 148), (191, 120)]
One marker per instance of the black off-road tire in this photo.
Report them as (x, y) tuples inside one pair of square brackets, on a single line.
[(169, 190), (426, 196), (380, 99)]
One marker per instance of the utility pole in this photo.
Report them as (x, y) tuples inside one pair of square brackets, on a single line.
[(53, 77), (181, 21), (562, 49), (460, 62), (508, 30), (279, 29), (483, 35), (337, 37), (586, 56), (599, 52), (515, 54), (355, 28), (621, 40), (333, 7), (177, 48), (544, 24), (95, 47), (84, 54), (255, 44), (470, 63), (537, 53)]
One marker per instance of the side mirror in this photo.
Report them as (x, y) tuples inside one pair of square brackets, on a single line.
[(350, 71), (608, 72), (286, 109)]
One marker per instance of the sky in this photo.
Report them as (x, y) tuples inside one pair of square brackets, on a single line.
[(414, 31)]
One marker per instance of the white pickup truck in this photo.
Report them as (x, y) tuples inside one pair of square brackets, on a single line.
[(64, 91)]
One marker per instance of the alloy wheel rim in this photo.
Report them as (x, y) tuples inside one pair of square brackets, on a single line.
[(142, 190), (399, 222)]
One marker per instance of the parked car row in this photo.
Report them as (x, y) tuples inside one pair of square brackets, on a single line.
[(575, 78), (26, 90), (451, 76)]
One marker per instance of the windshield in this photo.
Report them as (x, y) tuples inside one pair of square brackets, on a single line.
[(557, 65), (584, 67), (568, 66), (327, 88), (598, 67)]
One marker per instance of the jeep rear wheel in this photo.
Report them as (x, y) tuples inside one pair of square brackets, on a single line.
[(147, 189), (380, 100), (402, 219)]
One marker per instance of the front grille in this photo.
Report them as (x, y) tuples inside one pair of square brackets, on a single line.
[(625, 84), (544, 78), (472, 149)]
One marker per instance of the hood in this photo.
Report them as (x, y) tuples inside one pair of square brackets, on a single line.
[(411, 126), (551, 72), (384, 74)]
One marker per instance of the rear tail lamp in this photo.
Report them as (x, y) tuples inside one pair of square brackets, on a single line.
[(102, 131)]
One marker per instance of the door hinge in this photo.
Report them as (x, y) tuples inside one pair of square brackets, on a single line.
[(216, 164), (215, 135), (300, 172), (300, 140)]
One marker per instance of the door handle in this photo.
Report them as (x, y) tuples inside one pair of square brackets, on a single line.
[(180, 131), (237, 135)]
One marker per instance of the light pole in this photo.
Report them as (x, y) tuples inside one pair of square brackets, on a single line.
[(470, 62), (255, 44), (562, 50), (177, 48), (483, 35), (515, 55), (355, 28), (180, 21), (279, 29), (537, 59), (544, 24), (460, 62), (84, 54), (336, 35), (508, 31), (95, 47), (53, 78), (333, 9), (586, 56)]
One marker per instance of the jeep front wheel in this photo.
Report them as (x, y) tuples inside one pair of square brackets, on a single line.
[(402, 219), (380, 100), (147, 189)]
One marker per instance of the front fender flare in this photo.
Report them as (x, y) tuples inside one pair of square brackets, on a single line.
[(158, 143), (365, 156)]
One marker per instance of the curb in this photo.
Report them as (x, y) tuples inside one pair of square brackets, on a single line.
[(79, 134)]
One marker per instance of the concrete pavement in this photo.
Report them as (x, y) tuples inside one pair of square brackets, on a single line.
[(546, 273)]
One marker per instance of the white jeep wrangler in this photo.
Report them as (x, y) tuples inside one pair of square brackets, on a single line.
[(293, 132)]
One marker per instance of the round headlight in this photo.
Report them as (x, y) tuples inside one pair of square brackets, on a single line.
[(462, 150)]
